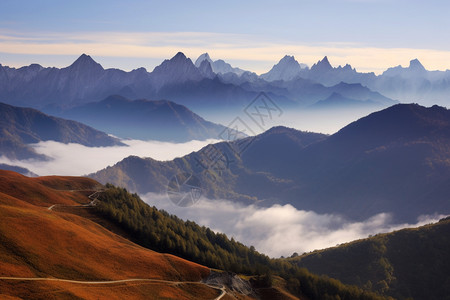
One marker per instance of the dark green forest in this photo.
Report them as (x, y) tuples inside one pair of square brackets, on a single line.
[(157, 230), (406, 264)]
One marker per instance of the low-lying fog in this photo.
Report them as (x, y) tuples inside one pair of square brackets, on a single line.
[(279, 230), (77, 160)]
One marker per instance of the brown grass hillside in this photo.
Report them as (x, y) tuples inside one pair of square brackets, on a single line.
[(37, 242), (46, 191)]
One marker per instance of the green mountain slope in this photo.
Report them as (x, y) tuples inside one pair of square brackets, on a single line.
[(406, 264)]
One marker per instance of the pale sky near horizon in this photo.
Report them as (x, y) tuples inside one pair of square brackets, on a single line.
[(371, 35)]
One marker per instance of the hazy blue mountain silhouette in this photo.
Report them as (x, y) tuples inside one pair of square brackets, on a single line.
[(23, 126), (286, 69), (144, 119), (17, 169), (202, 88), (218, 66)]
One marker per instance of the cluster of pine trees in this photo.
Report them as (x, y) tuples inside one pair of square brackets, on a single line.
[(157, 230)]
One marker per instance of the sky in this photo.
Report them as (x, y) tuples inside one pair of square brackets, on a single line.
[(371, 35)]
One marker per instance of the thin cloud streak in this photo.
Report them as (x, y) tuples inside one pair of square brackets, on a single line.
[(250, 51), (280, 229)]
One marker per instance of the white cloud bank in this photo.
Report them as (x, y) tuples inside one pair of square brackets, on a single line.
[(76, 159), (280, 229)]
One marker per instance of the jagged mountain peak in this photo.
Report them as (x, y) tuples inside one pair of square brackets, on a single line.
[(218, 66), (288, 58), (206, 55), (415, 64), (178, 66), (203, 57), (325, 60), (414, 70), (347, 67), (322, 65), (83, 59), (178, 60), (286, 69), (178, 56), (85, 62), (84, 56)]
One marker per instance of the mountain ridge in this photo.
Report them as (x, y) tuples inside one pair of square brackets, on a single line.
[(383, 263), (143, 119), (402, 146), (23, 126)]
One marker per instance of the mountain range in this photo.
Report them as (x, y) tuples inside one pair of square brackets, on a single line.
[(382, 163), (209, 84), (411, 84), (204, 86), (20, 127), (86, 81)]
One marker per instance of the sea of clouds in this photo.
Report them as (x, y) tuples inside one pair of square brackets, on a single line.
[(76, 159), (279, 230)]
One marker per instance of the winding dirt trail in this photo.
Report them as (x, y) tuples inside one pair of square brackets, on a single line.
[(143, 280), (91, 197), (224, 292)]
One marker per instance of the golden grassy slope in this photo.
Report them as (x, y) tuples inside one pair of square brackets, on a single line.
[(37, 242)]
